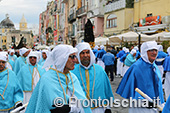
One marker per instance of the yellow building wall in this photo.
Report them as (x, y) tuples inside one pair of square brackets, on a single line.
[(124, 20), (23, 26), (156, 7)]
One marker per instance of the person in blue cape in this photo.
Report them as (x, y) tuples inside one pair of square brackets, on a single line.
[(45, 54), (130, 59), (29, 75), (99, 56), (92, 77), (145, 75), (137, 52), (9, 64), (160, 60), (95, 50), (11, 94), (12, 56), (58, 82), (119, 63), (166, 66), (21, 60), (122, 59)]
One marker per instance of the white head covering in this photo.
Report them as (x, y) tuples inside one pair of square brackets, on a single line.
[(96, 47), (46, 52), (33, 54), (126, 50), (83, 46), (23, 50), (11, 51), (102, 47), (136, 48), (160, 48), (168, 50), (59, 56), (3, 56), (147, 46), (132, 51)]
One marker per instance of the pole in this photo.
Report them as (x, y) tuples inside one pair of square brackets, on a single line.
[(139, 38)]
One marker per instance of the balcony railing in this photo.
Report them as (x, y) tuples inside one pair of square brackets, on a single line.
[(80, 27), (72, 17), (81, 10), (115, 6), (64, 1)]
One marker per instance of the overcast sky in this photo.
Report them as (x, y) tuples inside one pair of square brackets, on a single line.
[(16, 8)]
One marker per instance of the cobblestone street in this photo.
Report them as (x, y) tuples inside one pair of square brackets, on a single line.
[(114, 85)]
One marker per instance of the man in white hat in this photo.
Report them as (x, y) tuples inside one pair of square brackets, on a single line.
[(45, 54), (29, 75), (145, 75), (58, 82), (21, 60), (12, 55), (11, 94), (92, 77)]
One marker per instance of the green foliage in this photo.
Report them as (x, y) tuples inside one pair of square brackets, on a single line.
[(165, 45)]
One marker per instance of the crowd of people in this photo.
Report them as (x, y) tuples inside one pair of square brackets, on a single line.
[(38, 77)]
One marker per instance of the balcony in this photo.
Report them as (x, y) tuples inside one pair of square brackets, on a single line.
[(72, 17), (81, 11), (80, 27), (115, 6), (64, 1)]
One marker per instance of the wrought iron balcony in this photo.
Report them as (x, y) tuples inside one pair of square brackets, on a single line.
[(72, 17), (81, 11), (115, 6)]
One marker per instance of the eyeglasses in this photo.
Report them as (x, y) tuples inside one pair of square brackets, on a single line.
[(33, 57), (3, 62), (153, 50), (73, 56)]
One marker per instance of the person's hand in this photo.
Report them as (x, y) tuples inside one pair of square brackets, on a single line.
[(63, 109), (108, 111)]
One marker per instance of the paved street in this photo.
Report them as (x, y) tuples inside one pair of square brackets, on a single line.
[(116, 96)]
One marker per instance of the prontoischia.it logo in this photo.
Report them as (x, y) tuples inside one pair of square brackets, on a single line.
[(73, 101)]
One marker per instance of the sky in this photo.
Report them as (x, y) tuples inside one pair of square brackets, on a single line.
[(16, 8)]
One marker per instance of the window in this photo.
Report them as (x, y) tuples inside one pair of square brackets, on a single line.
[(111, 21), (148, 15)]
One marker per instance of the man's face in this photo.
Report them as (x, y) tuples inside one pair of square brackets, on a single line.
[(152, 54), (12, 53), (33, 60), (70, 62), (26, 53), (85, 57), (44, 55), (2, 65)]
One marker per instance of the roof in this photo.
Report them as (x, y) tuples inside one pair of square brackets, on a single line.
[(7, 23)]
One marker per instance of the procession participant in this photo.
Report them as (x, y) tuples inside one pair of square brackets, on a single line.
[(29, 75), (92, 77), (11, 94), (130, 59), (9, 64), (21, 60), (99, 56), (12, 56), (119, 63), (145, 75), (166, 66), (58, 82), (45, 54)]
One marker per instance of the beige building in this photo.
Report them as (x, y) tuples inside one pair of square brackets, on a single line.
[(118, 18)]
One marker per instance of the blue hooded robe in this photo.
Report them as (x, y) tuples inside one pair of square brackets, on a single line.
[(48, 88)]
